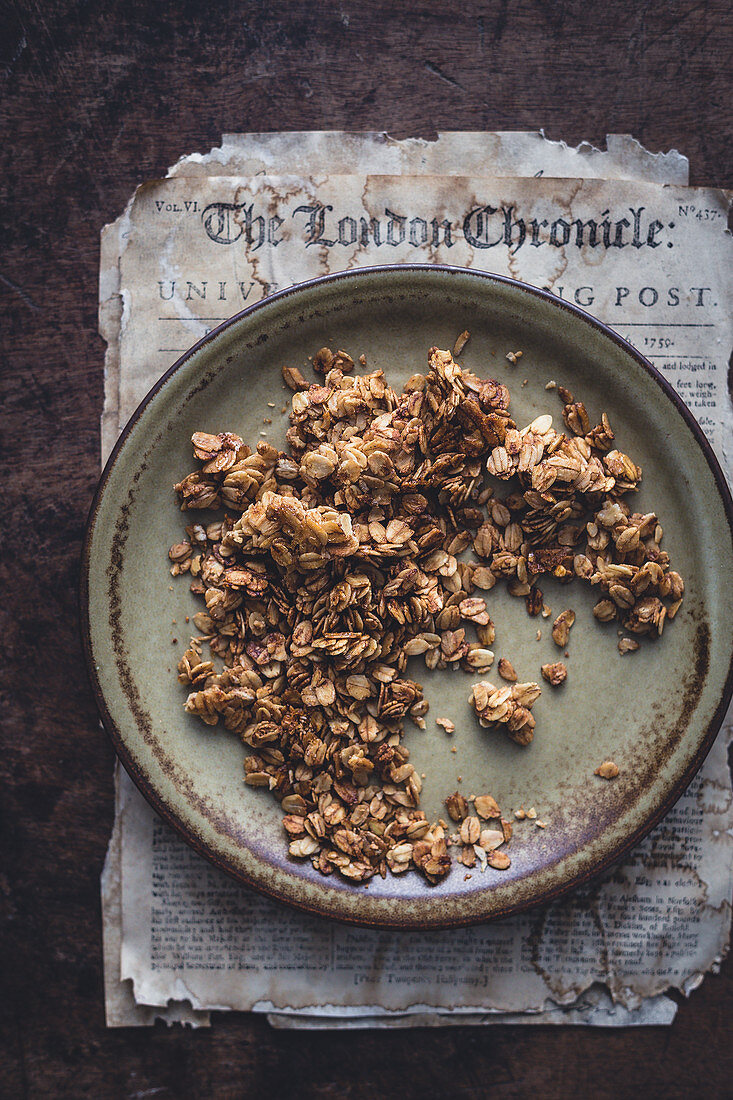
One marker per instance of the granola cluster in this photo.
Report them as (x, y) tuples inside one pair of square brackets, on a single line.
[(568, 518), (509, 706), (340, 559)]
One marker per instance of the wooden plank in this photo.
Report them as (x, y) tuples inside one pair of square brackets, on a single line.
[(95, 99)]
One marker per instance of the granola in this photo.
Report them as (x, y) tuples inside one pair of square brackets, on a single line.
[(343, 557), (506, 670), (506, 706), (561, 628), (555, 673)]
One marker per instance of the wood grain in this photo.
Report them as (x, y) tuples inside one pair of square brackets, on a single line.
[(96, 98)]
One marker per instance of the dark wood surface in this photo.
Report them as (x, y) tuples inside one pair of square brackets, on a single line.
[(95, 98)]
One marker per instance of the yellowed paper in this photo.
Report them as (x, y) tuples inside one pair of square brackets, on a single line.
[(192, 251), (654, 263), (121, 1008), (451, 153)]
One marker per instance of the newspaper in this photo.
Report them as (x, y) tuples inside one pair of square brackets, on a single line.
[(190, 250), (481, 154)]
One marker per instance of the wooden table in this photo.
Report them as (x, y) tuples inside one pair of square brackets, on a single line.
[(95, 99)]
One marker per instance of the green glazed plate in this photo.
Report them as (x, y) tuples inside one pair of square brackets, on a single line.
[(655, 712)]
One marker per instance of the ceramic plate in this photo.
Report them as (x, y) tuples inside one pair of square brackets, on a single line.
[(655, 712)]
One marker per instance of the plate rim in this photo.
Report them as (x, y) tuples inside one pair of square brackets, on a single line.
[(147, 789)]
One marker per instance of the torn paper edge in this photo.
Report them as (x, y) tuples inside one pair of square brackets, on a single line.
[(596, 1009), (121, 1008), (492, 153)]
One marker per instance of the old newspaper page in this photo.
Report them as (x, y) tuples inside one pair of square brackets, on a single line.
[(453, 153), (194, 249)]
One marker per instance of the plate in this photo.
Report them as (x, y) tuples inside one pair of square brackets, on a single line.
[(655, 712)]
